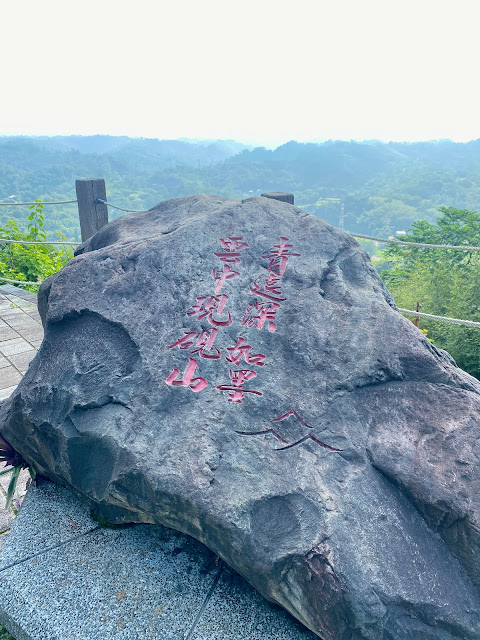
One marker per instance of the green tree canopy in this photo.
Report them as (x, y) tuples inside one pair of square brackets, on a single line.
[(30, 263), (445, 282)]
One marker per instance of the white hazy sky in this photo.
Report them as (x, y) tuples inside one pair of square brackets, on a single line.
[(256, 70)]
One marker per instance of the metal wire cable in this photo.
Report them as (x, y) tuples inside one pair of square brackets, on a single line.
[(468, 323), (8, 241), (417, 244), (27, 204), (108, 204), (19, 281)]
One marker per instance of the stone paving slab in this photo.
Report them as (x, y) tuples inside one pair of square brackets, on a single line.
[(236, 610), (10, 375), (21, 321), (21, 333), (63, 577), (62, 516), (7, 333), (26, 296), (16, 345), (123, 584), (7, 392), (22, 360)]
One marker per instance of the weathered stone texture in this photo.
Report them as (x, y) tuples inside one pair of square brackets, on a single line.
[(374, 536)]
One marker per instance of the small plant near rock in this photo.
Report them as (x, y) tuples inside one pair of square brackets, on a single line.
[(4, 635), (14, 463), (103, 522), (33, 262)]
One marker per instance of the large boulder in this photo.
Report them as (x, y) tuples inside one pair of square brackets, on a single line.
[(237, 371)]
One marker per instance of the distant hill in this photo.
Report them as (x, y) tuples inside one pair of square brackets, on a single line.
[(85, 144), (384, 186)]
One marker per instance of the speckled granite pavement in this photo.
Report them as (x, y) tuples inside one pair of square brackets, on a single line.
[(63, 577)]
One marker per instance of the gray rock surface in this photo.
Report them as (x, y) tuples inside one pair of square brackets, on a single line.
[(334, 464)]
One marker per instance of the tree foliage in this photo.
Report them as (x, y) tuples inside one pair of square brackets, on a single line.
[(31, 263), (385, 187), (4, 635), (445, 282)]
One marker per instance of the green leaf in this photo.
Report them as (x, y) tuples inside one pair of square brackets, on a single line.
[(5, 471), (32, 473), (12, 486)]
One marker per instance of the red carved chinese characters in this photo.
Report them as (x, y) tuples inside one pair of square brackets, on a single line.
[(270, 292), (201, 343), (186, 341), (279, 256), (232, 247), (205, 307), (242, 350), (227, 273), (204, 343), (292, 412), (195, 384), (212, 309), (238, 379), (256, 315)]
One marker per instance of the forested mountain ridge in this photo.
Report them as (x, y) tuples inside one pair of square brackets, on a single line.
[(385, 186)]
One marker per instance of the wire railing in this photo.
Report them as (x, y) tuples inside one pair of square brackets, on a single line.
[(9, 241), (98, 201), (429, 316), (32, 284), (421, 245), (6, 241), (114, 206), (31, 204)]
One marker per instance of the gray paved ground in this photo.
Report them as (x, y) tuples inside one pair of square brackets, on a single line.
[(21, 333), (63, 577)]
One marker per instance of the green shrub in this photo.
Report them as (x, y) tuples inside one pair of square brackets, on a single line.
[(31, 263), (445, 283), (4, 635)]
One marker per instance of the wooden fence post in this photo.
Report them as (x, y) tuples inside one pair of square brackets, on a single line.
[(416, 320), (93, 215), (279, 195)]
